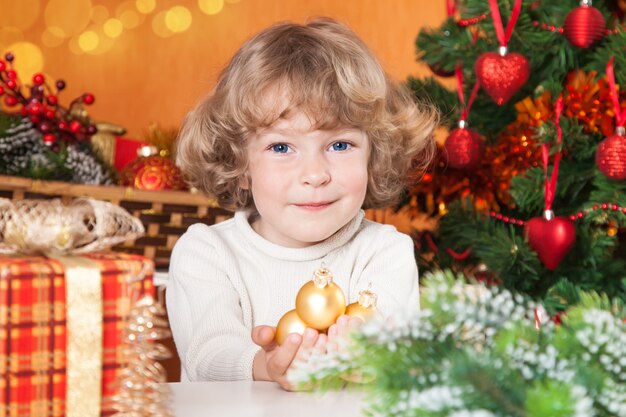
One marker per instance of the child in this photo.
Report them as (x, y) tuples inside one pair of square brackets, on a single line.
[(301, 132)]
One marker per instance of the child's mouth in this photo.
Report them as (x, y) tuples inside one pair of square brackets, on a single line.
[(314, 206)]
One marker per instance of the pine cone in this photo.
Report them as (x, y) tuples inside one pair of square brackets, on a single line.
[(85, 168)]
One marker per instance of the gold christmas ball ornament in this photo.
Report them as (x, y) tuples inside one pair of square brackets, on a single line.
[(320, 301), (289, 323), (365, 306)]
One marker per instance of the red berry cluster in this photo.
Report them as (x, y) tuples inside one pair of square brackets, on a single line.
[(40, 104)]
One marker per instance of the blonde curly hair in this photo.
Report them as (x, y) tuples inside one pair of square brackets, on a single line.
[(329, 73)]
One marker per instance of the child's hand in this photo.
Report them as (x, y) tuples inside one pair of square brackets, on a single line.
[(273, 362), (339, 331)]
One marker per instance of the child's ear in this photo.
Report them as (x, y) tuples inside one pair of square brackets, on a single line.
[(244, 182)]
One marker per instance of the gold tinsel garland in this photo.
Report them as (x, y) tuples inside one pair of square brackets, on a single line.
[(515, 151)]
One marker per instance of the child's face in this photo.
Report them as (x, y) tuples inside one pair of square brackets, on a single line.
[(306, 184)]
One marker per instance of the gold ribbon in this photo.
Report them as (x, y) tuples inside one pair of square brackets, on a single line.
[(84, 336)]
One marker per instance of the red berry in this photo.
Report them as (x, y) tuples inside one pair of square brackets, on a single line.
[(24, 112), (44, 127), (38, 79), (3, 65), (34, 118), (12, 74), (49, 139), (1, 90), (50, 114), (88, 98), (11, 84), (63, 125), (34, 108), (75, 126), (52, 100), (10, 101)]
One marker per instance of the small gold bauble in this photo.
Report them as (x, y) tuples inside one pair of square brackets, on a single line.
[(365, 307), (320, 301), (289, 323)]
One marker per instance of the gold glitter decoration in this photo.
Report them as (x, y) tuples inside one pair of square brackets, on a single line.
[(142, 390)]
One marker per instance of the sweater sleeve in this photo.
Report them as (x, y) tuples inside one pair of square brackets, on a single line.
[(204, 302), (392, 271)]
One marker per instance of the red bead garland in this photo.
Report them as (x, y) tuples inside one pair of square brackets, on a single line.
[(576, 216), (472, 20)]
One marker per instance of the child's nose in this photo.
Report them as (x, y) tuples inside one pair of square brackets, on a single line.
[(314, 172)]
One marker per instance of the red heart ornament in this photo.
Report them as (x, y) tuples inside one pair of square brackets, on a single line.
[(502, 76), (464, 148), (551, 239)]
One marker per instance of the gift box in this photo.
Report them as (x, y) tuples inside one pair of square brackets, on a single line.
[(61, 327)]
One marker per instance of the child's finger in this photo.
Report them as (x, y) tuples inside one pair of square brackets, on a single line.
[(332, 332), (320, 344), (355, 323), (308, 342), (342, 325), (283, 356), (264, 336)]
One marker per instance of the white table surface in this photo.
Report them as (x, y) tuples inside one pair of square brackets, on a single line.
[(258, 399)]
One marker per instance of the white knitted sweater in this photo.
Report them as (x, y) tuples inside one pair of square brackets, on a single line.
[(225, 279)]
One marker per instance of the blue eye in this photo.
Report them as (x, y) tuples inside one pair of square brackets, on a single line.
[(280, 148), (341, 146)]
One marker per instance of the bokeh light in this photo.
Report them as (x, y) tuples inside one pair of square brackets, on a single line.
[(20, 14), (9, 35), (99, 14), (71, 16), (88, 40), (159, 27), (211, 7), (128, 15), (74, 46), (113, 28), (53, 36), (28, 59), (145, 6), (178, 19), (232, 1)]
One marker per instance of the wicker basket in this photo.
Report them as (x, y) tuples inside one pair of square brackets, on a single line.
[(165, 214)]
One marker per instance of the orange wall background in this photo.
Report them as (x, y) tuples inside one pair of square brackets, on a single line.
[(140, 77)]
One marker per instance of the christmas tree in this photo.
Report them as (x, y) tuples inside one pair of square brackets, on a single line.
[(530, 183)]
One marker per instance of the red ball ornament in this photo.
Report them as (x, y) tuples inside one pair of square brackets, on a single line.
[(49, 139), (501, 75), (611, 156), (154, 172), (464, 148), (75, 126), (551, 237), (88, 98), (439, 71), (584, 25), (38, 79)]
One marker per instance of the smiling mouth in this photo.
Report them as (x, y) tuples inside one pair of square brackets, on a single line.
[(314, 206)]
